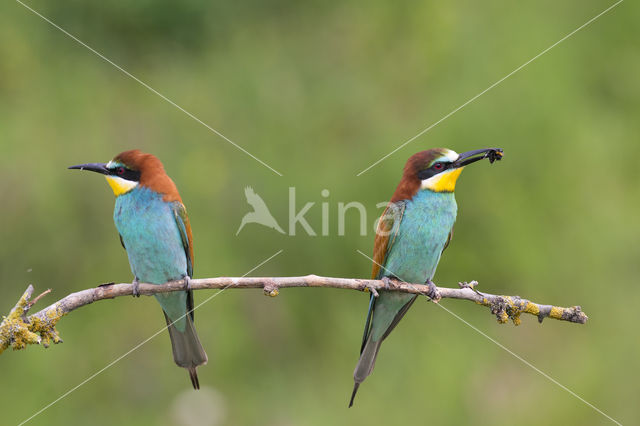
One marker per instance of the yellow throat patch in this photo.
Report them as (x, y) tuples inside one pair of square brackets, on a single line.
[(120, 186), (443, 182)]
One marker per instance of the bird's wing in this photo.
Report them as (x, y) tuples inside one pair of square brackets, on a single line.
[(386, 234), (448, 240), (122, 241), (182, 220)]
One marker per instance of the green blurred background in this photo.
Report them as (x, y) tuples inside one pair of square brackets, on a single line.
[(320, 90)]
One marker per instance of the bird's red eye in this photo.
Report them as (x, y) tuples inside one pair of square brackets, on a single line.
[(120, 171), (438, 166)]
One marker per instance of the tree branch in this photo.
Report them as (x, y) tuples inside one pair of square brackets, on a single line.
[(18, 330)]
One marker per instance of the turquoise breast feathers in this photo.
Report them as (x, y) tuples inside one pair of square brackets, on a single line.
[(151, 237), (428, 218)]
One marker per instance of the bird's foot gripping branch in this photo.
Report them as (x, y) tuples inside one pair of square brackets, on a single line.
[(19, 329)]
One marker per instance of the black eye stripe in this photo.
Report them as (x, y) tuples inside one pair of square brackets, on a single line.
[(426, 174), (437, 167), (124, 173)]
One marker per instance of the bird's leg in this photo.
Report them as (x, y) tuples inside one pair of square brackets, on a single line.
[(433, 292), (136, 287), (187, 282)]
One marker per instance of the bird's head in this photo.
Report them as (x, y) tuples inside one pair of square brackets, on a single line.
[(438, 169), (131, 168)]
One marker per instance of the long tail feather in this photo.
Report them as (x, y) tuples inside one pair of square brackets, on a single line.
[(365, 364), (356, 385), (370, 347), (193, 375), (187, 350)]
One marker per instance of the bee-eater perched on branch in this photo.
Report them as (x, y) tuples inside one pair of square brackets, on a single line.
[(412, 233), (155, 231)]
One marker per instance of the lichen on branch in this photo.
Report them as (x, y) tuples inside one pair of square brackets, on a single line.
[(17, 330)]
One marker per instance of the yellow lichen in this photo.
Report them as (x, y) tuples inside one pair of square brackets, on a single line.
[(514, 310), (510, 308), (13, 330), (18, 332), (46, 329), (556, 312), (532, 308)]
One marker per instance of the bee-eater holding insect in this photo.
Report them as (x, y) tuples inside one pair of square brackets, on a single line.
[(155, 231), (412, 233)]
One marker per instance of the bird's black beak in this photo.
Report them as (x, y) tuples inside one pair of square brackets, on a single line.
[(493, 154), (93, 167)]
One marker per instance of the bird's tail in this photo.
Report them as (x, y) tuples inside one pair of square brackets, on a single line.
[(371, 345), (365, 364), (187, 350)]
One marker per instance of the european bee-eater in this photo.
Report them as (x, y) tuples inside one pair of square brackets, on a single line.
[(412, 233), (155, 231)]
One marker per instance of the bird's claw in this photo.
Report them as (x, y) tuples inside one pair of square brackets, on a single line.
[(136, 287), (187, 282), (371, 289), (432, 292), (388, 282)]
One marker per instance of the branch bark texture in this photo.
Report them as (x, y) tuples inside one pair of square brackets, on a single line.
[(19, 329)]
